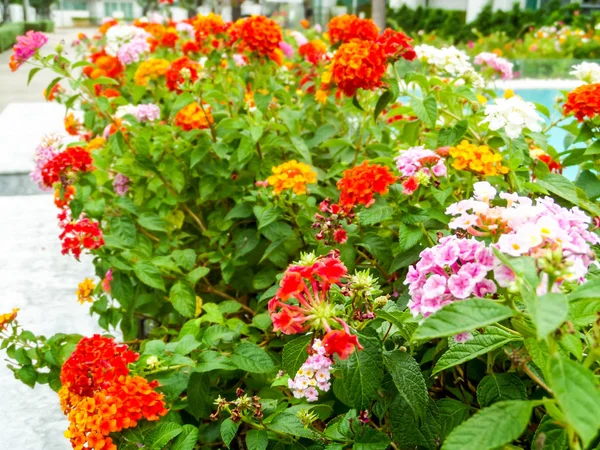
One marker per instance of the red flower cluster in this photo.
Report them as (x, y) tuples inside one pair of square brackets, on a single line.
[(99, 396), (309, 286), (207, 26), (396, 45), (80, 234), (360, 183), (347, 27), (73, 159), (357, 64), (259, 34), (331, 228), (584, 102), (314, 52), (174, 76)]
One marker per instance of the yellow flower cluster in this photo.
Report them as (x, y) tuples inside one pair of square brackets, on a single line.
[(7, 318), (84, 291), (150, 69), (292, 175), (95, 143), (477, 158)]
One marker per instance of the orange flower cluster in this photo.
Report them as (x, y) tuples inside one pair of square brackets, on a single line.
[(95, 143), (62, 198), (314, 51), (207, 26), (477, 158), (347, 27), (357, 64), (85, 290), (292, 175), (104, 66), (258, 34), (584, 102), (174, 75), (100, 397), (150, 69), (107, 25), (194, 117), (72, 125), (7, 318), (360, 183)]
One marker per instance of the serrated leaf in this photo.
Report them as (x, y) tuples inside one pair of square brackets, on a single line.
[(162, 434), (406, 375), (294, 354), (196, 274), (425, 109), (491, 339), (548, 311), (549, 436), (459, 317), (452, 136), (497, 387), (257, 440), (229, 429), (187, 439), (491, 427), (149, 275), (373, 215), (452, 414), (251, 358), (409, 431), (199, 399), (370, 439), (587, 291), (183, 298), (576, 391), (152, 222)]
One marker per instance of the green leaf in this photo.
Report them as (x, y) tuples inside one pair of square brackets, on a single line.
[(149, 275), (550, 436), (182, 100), (251, 358), (409, 431), (371, 439), (492, 427), (497, 387), (587, 291), (452, 136), (356, 104), (162, 434), (187, 439), (375, 214), (196, 274), (229, 429), (124, 229), (383, 101), (199, 398), (560, 186), (452, 414), (548, 312), (491, 339), (183, 298), (257, 440), (53, 83), (426, 110), (294, 354), (288, 422), (361, 373), (409, 381), (32, 73), (459, 317), (152, 222), (576, 391)]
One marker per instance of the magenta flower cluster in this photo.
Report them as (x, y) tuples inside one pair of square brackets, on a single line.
[(314, 373), (455, 269), (121, 184), (28, 44), (420, 159), (500, 65)]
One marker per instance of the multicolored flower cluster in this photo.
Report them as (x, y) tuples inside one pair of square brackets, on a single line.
[(46, 151), (26, 47), (454, 269), (127, 43), (79, 234), (347, 27), (66, 163), (7, 318), (100, 397), (417, 166), (499, 65), (292, 175), (150, 69), (583, 102), (314, 373), (477, 158), (194, 117), (180, 71), (513, 115), (143, 113), (359, 184)]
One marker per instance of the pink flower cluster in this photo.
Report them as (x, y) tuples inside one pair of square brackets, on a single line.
[(496, 63), (314, 373), (47, 150), (417, 165), (143, 113), (26, 47), (131, 51), (121, 184), (455, 269), (287, 49)]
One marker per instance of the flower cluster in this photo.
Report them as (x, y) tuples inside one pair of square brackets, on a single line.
[(46, 151), (541, 155), (314, 51), (292, 175), (143, 113), (450, 61), (180, 71), (357, 65), (396, 45), (259, 34), (477, 158), (583, 102), (72, 125), (360, 183), (194, 117), (62, 166), (347, 27), (100, 397), (85, 290), (79, 234), (314, 373), (7, 318), (308, 284), (587, 72), (454, 269), (512, 115), (26, 47), (330, 226), (417, 166), (121, 184), (63, 195), (208, 25), (127, 43), (104, 65), (150, 69), (498, 64)]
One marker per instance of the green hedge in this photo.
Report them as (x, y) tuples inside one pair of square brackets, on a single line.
[(46, 26), (9, 33)]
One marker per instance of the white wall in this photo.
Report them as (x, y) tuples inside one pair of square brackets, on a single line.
[(16, 13), (64, 19), (460, 5)]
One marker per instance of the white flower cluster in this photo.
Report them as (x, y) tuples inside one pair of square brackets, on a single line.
[(451, 61), (587, 72), (119, 35), (513, 115)]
